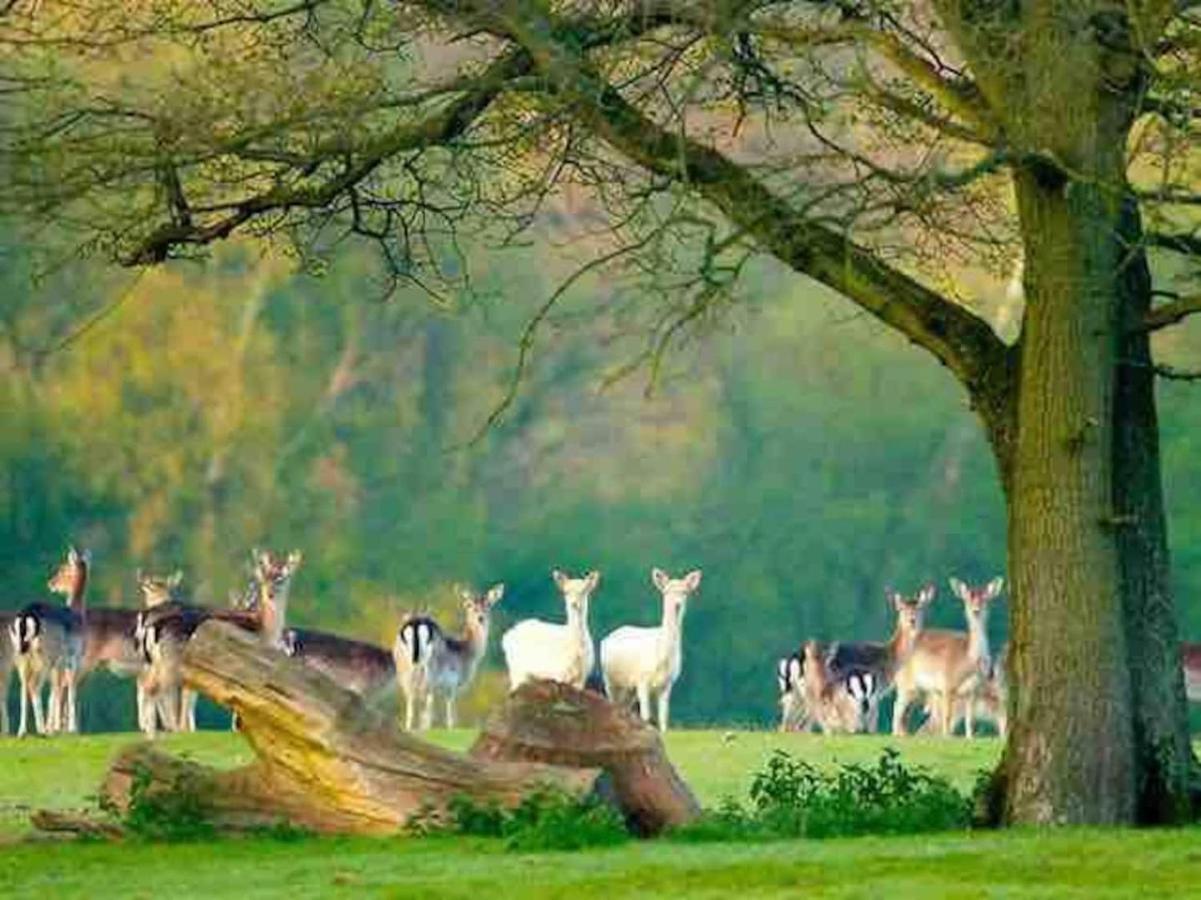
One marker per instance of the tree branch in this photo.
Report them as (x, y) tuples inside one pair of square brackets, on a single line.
[(1171, 313), (956, 337), (439, 128)]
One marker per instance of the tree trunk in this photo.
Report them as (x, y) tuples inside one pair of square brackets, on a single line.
[(549, 722), (1070, 757), (1163, 757), (325, 762)]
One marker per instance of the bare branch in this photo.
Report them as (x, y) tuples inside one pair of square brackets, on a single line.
[(1171, 313)]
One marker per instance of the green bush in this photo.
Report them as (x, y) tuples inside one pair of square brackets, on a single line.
[(175, 814), (793, 798), (544, 820)]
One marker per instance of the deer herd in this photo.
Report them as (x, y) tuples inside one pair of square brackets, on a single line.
[(836, 687)]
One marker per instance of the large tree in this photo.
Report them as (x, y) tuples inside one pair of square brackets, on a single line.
[(876, 147)]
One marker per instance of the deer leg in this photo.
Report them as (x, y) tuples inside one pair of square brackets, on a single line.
[(410, 708), (189, 705), (53, 714), (23, 678), (969, 716), (427, 711), (35, 698), (450, 710), (664, 703), (900, 706), (644, 701), (72, 705), (946, 702)]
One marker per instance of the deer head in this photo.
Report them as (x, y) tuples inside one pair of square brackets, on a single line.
[(911, 611), (157, 589), (576, 591), (976, 599), (274, 576), (71, 576), (477, 608), (675, 591)]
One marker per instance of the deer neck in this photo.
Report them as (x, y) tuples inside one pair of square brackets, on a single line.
[(669, 633), (273, 616), (77, 595), (902, 642), (977, 636), (476, 638), (577, 623)]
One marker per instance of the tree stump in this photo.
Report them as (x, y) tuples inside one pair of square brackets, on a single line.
[(552, 723), (325, 761)]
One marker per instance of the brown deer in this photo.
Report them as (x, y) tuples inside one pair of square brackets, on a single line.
[(882, 661), (174, 623), (950, 666), (48, 645)]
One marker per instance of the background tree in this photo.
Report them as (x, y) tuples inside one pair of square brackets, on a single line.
[(866, 145)]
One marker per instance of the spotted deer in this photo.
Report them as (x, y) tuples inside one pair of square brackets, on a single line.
[(883, 660), (790, 681), (537, 649), (164, 630), (273, 573), (645, 662), (950, 666), (357, 666), (990, 702), (7, 666), (47, 642), (431, 664), (839, 702)]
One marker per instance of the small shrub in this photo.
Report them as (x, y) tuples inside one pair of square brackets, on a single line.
[(793, 798), (175, 814), (544, 820)]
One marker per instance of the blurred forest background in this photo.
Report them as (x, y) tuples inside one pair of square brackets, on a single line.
[(798, 453)]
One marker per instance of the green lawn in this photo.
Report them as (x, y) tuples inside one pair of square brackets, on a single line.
[(1082, 864)]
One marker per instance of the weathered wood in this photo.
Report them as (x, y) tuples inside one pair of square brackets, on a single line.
[(325, 761), (80, 824), (550, 722)]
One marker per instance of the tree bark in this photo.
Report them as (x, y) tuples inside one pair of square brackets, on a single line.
[(1163, 754), (325, 761), (1070, 756), (549, 722)]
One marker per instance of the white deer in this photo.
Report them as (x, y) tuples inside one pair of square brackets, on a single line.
[(641, 662), (950, 666), (537, 649)]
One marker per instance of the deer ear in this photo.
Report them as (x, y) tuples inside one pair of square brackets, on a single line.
[(958, 588), (659, 578), (72, 554), (593, 579), (560, 579), (176, 578), (692, 580), (994, 588), (294, 560), (464, 593), (139, 575), (494, 594), (926, 594)]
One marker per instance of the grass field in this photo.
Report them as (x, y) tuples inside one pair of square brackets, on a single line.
[(62, 773)]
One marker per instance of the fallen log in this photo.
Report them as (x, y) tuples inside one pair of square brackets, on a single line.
[(554, 723), (326, 762)]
